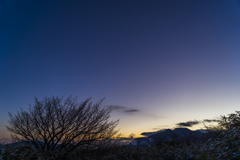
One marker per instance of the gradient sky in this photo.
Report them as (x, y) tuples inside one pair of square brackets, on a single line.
[(158, 62)]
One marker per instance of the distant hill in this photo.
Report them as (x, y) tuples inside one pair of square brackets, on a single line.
[(178, 134)]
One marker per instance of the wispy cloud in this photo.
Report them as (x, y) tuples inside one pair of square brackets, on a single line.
[(123, 109), (115, 107), (210, 120), (188, 123), (195, 122), (131, 110)]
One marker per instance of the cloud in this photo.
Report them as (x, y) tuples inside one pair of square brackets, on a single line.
[(115, 107), (131, 110), (210, 120), (123, 109), (188, 123)]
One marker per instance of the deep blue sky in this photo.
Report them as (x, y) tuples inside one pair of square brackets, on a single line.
[(163, 61)]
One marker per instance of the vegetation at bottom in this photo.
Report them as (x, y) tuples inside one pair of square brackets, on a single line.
[(226, 146), (57, 129)]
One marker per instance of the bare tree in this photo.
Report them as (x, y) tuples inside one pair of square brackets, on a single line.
[(55, 125)]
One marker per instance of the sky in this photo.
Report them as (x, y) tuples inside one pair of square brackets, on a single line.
[(160, 64)]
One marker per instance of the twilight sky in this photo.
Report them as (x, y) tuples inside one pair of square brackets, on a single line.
[(157, 62)]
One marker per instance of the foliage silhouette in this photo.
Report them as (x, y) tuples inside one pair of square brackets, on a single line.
[(55, 126)]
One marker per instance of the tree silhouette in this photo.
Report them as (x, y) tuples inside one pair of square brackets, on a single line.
[(55, 125), (232, 121)]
